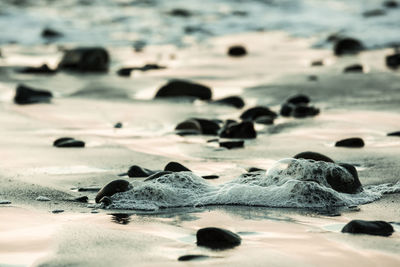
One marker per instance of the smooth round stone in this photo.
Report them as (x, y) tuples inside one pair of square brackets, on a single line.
[(234, 101), (181, 88), (258, 111), (71, 143), (175, 167), (28, 95), (85, 59), (339, 181), (350, 142), (61, 140), (190, 124), (237, 51), (393, 61), (303, 111), (193, 257), (380, 228), (394, 133), (137, 171), (112, 188), (314, 156), (347, 46), (232, 144), (298, 99), (243, 130), (217, 238), (356, 68)]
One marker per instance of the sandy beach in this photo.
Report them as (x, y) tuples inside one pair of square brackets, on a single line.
[(63, 232)]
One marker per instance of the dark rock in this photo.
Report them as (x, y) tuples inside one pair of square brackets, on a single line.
[(286, 110), (137, 171), (180, 12), (210, 177), (353, 171), (90, 59), (394, 134), (350, 142), (188, 127), (302, 111), (57, 211), (232, 144), (61, 140), (217, 238), (180, 88), (118, 125), (44, 69), (106, 201), (50, 33), (374, 13), (353, 68), (298, 99), (70, 143), (390, 4), (176, 167), (83, 199), (243, 130), (208, 127), (234, 101), (88, 189), (156, 175), (393, 61), (340, 182), (313, 78), (264, 120), (111, 188), (127, 71), (381, 228), (27, 95), (314, 156), (347, 46), (317, 63), (255, 169), (255, 112), (237, 51), (192, 257)]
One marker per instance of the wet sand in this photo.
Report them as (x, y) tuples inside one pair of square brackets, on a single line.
[(87, 106)]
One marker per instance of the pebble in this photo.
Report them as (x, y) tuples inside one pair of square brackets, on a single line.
[(181, 88), (69, 143), (390, 4), (258, 111), (380, 228), (113, 187), (85, 59), (374, 13), (232, 144), (28, 95), (42, 198), (354, 68), (347, 46), (314, 156), (393, 61), (176, 167), (83, 199), (210, 177), (50, 33), (237, 51), (217, 238), (57, 211), (394, 133), (234, 101), (118, 125), (4, 202), (137, 171), (192, 257), (243, 130), (44, 69), (350, 142)]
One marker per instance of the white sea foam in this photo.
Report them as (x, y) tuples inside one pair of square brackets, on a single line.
[(301, 185)]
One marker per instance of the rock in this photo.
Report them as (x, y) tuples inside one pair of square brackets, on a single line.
[(264, 120), (176, 167), (107, 201), (118, 125), (298, 99), (217, 238), (394, 134), (57, 211), (340, 182), (113, 187), (27, 95), (42, 198), (390, 4), (353, 68), (180, 88), (180, 12), (208, 127), (347, 46), (393, 61), (255, 169), (258, 111), (374, 13), (147, 67), (286, 110), (350, 142), (243, 130), (234, 101), (303, 111), (314, 156), (50, 33), (44, 69), (83, 199), (156, 175), (137, 171), (139, 45), (68, 142), (317, 63), (232, 144), (210, 177), (237, 51), (380, 228), (88, 189), (192, 257), (5, 202), (85, 59), (188, 127)]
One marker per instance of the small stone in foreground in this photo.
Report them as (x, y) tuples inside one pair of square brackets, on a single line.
[(350, 142), (235, 101), (42, 198), (217, 238), (237, 51), (381, 228), (192, 257), (241, 130), (118, 125), (85, 59)]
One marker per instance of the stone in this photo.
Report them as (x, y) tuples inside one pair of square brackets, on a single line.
[(303, 111), (255, 169), (50, 33), (68, 143), (217, 238), (61, 140), (44, 69), (210, 177), (181, 88), (286, 110), (394, 134), (137, 171), (192, 257), (350, 142), (113, 187), (85, 59), (118, 125), (180, 12), (393, 61), (347, 46), (4, 202), (234, 101), (27, 95), (312, 78), (208, 127), (57, 211), (390, 4), (232, 144), (42, 198), (88, 189), (267, 120), (339, 180), (317, 63), (357, 68), (314, 156), (374, 13), (380, 228), (237, 51), (127, 71), (187, 127), (82, 199), (175, 167), (107, 201), (298, 99), (243, 130), (255, 112)]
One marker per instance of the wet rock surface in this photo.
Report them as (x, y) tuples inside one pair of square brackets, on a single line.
[(380, 228), (85, 59), (181, 88), (28, 95), (217, 238), (350, 142), (111, 188)]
